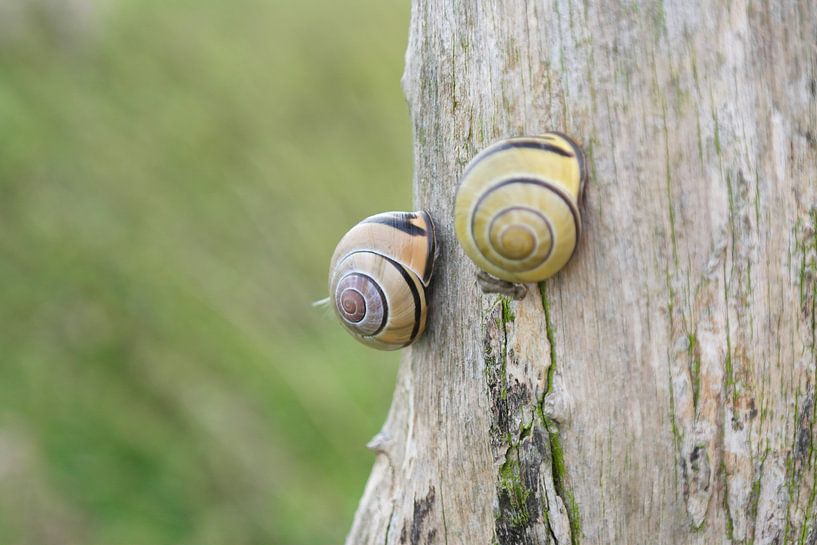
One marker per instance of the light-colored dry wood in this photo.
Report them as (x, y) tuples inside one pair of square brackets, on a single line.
[(661, 388)]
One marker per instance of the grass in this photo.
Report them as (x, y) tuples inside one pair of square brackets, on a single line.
[(173, 179)]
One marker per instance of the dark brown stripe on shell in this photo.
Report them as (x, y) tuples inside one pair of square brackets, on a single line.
[(400, 221), (519, 142), (384, 320), (583, 174), (353, 305), (432, 248), (541, 183), (413, 288), (414, 294), (527, 209)]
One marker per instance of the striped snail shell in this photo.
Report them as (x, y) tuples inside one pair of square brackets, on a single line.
[(516, 213), (379, 276)]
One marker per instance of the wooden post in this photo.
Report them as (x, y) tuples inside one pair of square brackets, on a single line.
[(660, 389)]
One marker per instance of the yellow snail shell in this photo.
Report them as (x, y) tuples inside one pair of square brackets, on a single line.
[(379, 276), (516, 213)]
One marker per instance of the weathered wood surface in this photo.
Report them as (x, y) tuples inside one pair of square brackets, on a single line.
[(664, 393)]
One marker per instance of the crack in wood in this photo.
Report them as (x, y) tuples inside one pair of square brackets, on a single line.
[(529, 509)]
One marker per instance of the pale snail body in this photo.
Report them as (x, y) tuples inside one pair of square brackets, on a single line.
[(516, 213), (379, 276)]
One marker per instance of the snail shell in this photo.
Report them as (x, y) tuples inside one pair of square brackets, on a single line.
[(379, 276), (516, 213)]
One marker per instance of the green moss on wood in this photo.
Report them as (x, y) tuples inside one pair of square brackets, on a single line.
[(757, 197), (496, 364), (730, 526), (668, 186), (513, 491), (507, 312), (717, 135), (694, 367), (551, 335), (559, 467)]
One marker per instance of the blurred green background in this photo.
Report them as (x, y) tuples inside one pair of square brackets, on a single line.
[(173, 179)]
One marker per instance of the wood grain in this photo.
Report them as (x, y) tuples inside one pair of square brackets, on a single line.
[(661, 388)]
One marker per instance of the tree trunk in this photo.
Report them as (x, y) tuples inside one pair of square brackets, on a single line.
[(660, 389)]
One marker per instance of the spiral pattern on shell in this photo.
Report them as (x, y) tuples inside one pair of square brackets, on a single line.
[(379, 276), (516, 212)]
